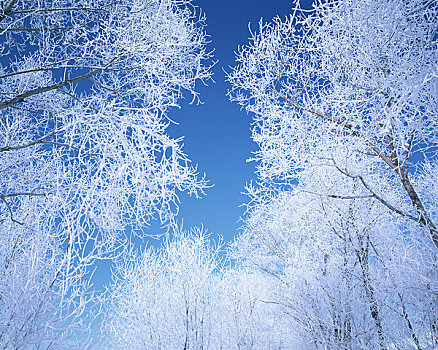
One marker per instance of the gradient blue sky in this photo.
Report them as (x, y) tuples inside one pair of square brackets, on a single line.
[(217, 133)]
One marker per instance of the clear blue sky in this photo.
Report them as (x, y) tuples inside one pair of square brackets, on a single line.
[(217, 133)]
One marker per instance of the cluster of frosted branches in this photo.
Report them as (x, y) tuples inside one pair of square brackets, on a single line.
[(343, 218), (85, 91), (182, 296), (352, 84), (162, 298), (348, 273)]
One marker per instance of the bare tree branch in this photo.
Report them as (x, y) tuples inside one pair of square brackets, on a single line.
[(32, 143), (6, 11), (10, 211), (22, 97), (347, 126)]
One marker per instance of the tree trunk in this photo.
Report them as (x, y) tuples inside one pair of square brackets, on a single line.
[(424, 219)]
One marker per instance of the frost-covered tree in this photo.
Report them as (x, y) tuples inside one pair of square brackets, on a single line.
[(86, 87), (182, 296), (248, 315), (357, 74), (345, 271), (165, 298), (344, 99)]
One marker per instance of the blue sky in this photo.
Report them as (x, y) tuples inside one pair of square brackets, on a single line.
[(217, 133)]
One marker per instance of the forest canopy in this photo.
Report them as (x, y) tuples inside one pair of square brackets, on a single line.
[(339, 243)]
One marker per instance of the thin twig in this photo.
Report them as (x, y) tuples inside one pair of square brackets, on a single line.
[(10, 211), (380, 199), (32, 143), (345, 125), (22, 97)]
